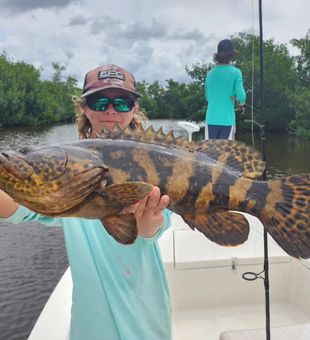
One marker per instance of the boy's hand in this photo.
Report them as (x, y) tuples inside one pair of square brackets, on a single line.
[(148, 212)]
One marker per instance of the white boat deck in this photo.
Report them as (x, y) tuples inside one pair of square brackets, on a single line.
[(207, 324), (208, 293)]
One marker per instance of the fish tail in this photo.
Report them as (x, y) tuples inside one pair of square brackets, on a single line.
[(283, 207)]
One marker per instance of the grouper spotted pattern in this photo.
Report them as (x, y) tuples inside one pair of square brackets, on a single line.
[(208, 183)]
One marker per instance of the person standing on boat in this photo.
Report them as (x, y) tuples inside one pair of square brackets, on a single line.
[(223, 86), (120, 292)]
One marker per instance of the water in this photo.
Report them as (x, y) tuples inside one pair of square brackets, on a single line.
[(285, 155), (33, 257), (32, 260)]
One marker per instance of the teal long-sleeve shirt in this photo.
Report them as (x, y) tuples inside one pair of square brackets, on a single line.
[(221, 84), (120, 291)]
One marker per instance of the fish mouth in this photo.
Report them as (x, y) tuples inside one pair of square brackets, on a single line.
[(4, 158), (5, 161)]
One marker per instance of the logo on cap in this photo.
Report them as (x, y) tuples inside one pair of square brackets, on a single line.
[(111, 74)]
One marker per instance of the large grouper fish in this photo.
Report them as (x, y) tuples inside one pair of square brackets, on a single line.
[(206, 181)]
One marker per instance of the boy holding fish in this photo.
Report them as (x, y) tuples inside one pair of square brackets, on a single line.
[(119, 291)]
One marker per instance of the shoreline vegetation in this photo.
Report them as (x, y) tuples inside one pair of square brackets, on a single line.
[(26, 100)]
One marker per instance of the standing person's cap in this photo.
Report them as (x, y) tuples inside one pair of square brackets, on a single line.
[(109, 77), (225, 46)]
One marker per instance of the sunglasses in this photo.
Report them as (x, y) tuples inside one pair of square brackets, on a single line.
[(102, 104)]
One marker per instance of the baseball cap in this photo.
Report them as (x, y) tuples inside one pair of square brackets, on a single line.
[(225, 46), (107, 77)]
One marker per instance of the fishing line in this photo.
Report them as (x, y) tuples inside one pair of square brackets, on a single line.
[(252, 77), (252, 121)]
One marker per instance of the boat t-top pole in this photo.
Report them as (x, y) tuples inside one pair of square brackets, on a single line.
[(263, 149), (250, 276)]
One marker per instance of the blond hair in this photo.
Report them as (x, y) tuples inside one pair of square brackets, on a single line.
[(84, 126)]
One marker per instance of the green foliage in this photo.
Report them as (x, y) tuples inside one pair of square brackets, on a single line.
[(300, 98), (152, 99), (303, 59), (279, 79), (18, 92), (27, 100), (175, 100), (301, 105), (198, 72)]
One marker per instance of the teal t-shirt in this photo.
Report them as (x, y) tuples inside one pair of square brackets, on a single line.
[(223, 82), (119, 292)]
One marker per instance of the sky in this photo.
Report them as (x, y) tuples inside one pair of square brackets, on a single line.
[(154, 39)]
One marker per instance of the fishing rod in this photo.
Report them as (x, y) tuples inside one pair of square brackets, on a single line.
[(249, 275)]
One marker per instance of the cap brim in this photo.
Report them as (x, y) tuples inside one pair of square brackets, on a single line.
[(87, 93)]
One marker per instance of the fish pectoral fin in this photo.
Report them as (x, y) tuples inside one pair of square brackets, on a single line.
[(126, 193), (122, 228), (222, 227)]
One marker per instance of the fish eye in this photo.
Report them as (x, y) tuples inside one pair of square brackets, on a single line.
[(24, 150)]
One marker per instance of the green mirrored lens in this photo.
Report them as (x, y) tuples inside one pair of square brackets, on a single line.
[(100, 104), (122, 104)]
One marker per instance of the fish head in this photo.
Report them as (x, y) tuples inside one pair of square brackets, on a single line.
[(50, 179)]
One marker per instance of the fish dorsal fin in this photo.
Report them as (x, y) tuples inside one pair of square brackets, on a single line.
[(244, 159), (241, 157), (140, 134)]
